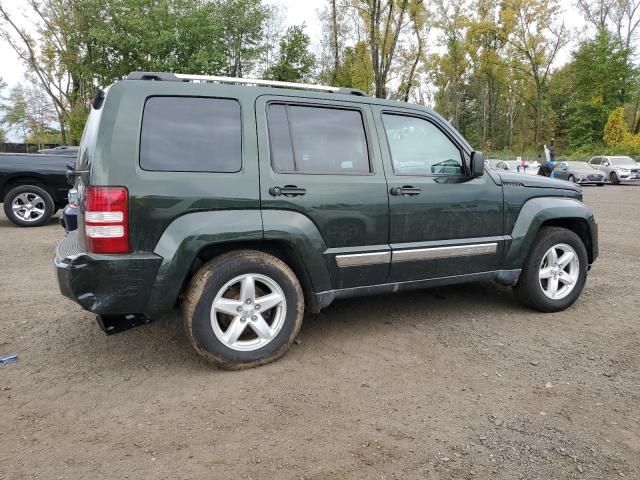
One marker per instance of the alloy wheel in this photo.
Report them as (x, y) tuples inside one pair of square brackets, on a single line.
[(248, 312), (28, 207), (559, 271)]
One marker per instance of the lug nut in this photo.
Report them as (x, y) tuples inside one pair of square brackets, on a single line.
[(257, 306), (254, 317), (248, 301), (239, 309)]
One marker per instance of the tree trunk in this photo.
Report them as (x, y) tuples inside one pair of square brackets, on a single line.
[(336, 51), (63, 132), (538, 116)]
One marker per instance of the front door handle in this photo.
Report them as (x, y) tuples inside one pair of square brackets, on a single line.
[(287, 191), (405, 191)]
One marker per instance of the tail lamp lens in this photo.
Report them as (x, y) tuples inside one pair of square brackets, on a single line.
[(106, 219)]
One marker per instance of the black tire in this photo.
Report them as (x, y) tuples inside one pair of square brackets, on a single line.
[(571, 179), (613, 178), (47, 201), (528, 289), (601, 184), (206, 284)]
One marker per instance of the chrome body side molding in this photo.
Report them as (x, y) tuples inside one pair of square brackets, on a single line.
[(411, 255), (362, 259), (415, 254)]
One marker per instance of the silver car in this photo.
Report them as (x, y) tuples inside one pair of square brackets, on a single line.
[(579, 172), (618, 168)]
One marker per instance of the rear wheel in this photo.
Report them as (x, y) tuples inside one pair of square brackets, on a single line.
[(601, 184), (243, 309), (572, 179), (555, 271), (28, 206), (613, 178)]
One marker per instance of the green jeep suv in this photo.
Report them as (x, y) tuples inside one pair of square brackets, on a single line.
[(245, 204)]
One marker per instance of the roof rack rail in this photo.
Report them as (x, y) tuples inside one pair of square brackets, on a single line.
[(179, 77)]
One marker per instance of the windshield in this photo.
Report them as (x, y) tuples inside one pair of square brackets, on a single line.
[(578, 165), (622, 160)]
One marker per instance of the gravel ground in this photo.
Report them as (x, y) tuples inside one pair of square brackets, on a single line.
[(452, 383)]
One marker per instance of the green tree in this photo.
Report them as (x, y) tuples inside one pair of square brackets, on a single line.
[(603, 80), (16, 115), (356, 69), (295, 62), (533, 31), (242, 23), (79, 45), (3, 133), (383, 22)]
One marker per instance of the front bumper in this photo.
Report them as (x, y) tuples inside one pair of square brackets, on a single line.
[(590, 181), (630, 178), (105, 284)]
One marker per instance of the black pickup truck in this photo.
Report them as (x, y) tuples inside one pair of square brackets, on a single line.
[(33, 186)]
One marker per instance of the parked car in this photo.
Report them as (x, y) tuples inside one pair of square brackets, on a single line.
[(512, 166), (32, 187), (579, 172), (63, 150), (618, 168), (246, 205), (499, 165)]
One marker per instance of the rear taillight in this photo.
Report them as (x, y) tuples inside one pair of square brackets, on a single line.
[(106, 219)]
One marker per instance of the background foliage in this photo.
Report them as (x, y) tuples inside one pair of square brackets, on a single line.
[(490, 67)]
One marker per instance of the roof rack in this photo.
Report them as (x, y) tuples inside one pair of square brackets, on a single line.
[(180, 77)]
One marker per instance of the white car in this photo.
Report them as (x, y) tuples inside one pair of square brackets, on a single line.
[(617, 169)]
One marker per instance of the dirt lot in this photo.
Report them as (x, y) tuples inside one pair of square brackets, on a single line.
[(452, 383)]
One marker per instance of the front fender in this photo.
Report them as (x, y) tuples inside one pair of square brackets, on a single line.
[(185, 237), (533, 214)]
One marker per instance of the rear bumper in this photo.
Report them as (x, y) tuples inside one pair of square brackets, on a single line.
[(105, 284)]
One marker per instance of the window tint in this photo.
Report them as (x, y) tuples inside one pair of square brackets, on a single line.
[(317, 140), (419, 148), (595, 161), (187, 134)]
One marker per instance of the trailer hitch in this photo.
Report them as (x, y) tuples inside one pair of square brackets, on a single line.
[(112, 324)]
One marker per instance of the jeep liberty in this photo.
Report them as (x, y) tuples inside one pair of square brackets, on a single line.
[(243, 202)]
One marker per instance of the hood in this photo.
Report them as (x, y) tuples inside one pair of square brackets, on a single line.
[(626, 166), (537, 181)]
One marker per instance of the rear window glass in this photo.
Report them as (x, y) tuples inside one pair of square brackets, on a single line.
[(317, 140), (188, 134)]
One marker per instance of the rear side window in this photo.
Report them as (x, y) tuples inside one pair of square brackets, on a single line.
[(317, 140), (189, 134)]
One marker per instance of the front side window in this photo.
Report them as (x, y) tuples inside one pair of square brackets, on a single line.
[(190, 134), (305, 139), (418, 147), (595, 161)]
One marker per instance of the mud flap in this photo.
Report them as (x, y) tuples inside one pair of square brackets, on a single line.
[(112, 324)]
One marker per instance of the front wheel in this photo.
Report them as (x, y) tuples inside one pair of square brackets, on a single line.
[(28, 206), (613, 178), (555, 271), (243, 309), (572, 179)]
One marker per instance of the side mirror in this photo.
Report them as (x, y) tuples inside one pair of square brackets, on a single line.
[(477, 164)]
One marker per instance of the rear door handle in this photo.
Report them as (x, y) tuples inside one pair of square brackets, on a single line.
[(405, 191), (287, 191)]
